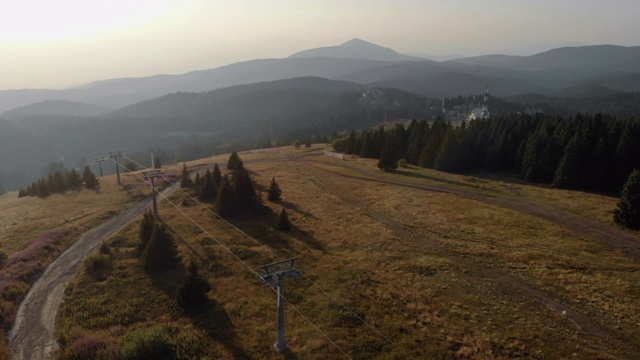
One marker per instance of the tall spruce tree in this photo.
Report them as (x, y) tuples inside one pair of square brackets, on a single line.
[(145, 230), (351, 143), (233, 160), (243, 187), (73, 179), (389, 158), (628, 212), (185, 178), (569, 171), (207, 190), (225, 204), (216, 176), (89, 178)]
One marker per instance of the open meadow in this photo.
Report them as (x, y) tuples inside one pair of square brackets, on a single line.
[(414, 264)]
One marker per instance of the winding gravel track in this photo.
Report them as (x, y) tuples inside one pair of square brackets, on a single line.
[(32, 336)]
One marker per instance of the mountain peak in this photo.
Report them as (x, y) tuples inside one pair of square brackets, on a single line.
[(355, 49), (356, 42)]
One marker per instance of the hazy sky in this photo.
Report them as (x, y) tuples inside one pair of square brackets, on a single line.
[(45, 43)]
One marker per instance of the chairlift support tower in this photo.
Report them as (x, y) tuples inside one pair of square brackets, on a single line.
[(114, 155), (274, 274), (99, 161), (150, 175)]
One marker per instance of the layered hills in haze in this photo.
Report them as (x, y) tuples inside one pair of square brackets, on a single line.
[(608, 67), (352, 85)]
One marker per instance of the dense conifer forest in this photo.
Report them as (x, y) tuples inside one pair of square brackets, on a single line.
[(583, 152)]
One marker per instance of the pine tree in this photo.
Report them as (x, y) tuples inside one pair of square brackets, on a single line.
[(225, 204), (308, 143), (389, 158), (157, 164), (145, 230), (59, 182), (185, 179), (283, 223), (628, 212), (568, 173), (89, 178), (197, 182), (233, 161), (351, 143), (243, 187), (73, 179), (275, 193), (447, 155), (42, 188), (216, 176), (207, 190), (161, 252), (192, 292)]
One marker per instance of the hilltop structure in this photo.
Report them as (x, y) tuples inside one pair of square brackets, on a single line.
[(481, 112)]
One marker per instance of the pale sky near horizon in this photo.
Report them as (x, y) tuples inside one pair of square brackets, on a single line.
[(56, 44)]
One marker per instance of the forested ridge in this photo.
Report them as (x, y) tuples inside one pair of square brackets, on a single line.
[(583, 152)]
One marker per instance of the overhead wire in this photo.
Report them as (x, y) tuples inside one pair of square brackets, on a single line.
[(226, 248), (280, 258)]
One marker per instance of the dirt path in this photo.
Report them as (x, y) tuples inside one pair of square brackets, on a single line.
[(509, 285), (32, 336)]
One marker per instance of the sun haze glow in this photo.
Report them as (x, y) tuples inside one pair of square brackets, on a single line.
[(62, 43)]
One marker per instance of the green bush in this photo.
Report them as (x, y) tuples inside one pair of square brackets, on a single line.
[(99, 266), (84, 348), (192, 293), (161, 252), (149, 344)]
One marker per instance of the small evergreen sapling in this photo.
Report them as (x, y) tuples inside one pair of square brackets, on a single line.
[(192, 292), (161, 252), (275, 194)]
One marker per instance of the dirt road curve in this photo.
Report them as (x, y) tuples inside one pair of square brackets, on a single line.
[(32, 336)]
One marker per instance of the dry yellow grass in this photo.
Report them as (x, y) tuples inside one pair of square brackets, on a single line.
[(442, 276)]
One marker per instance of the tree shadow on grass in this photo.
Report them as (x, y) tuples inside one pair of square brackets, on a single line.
[(291, 206), (168, 279), (215, 322), (263, 228), (307, 238)]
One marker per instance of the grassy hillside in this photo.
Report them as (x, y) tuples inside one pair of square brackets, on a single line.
[(437, 266), (34, 231)]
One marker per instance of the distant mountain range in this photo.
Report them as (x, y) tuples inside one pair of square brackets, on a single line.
[(603, 67), (56, 107)]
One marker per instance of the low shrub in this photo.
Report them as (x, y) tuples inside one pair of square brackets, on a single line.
[(149, 344), (99, 266)]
